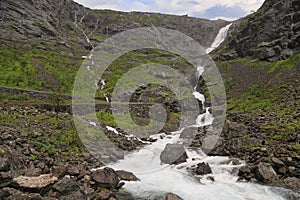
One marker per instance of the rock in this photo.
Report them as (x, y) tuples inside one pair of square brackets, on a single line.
[(13, 194), (292, 182), (75, 195), (127, 176), (73, 170), (277, 162), (35, 183), (171, 196), (232, 161), (202, 169), (32, 172), (189, 133), (106, 178), (103, 194), (6, 179), (4, 164), (66, 186), (265, 173), (173, 154)]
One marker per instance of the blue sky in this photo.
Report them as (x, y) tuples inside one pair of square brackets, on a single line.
[(211, 9)]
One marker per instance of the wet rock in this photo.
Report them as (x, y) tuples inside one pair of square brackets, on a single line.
[(189, 133), (265, 173), (106, 178), (127, 176), (171, 196), (35, 183), (173, 154), (202, 169)]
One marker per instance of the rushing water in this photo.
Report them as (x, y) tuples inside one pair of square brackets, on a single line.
[(219, 38), (157, 178)]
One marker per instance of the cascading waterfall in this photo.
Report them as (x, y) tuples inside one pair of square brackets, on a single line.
[(157, 178), (219, 39)]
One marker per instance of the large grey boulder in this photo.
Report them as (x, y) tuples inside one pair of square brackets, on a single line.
[(173, 154), (265, 173), (106, 177)]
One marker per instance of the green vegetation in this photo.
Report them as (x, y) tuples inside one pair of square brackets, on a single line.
[(37, 70), (256, 97)]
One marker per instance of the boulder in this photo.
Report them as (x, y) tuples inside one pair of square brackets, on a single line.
[(127, 176), (292, 182), (35, 183), (189, 133), (66, 186), (265, 173), (173, 154), (202, 169), (106, 177), (171, 196)]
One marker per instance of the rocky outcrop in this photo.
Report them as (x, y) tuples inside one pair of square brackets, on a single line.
[(173, 154), (272, 33)]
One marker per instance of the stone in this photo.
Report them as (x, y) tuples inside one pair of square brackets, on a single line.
[(73, 170), (32, 172), (292, 182), (106, 177), (171, 196), (103, 194), (35, 184), (265, 173), (202, 169), (173, 154), (6, 179), (4, 164), (127, 176), (75, 195), (66, 186), (13, 194), (276, 161), (189, 133)]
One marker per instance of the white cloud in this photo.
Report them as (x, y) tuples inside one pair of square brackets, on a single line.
[(179, 7)]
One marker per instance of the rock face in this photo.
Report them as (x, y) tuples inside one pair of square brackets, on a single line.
[(272, 33), (173, 154), (265, 173), (56, 20)]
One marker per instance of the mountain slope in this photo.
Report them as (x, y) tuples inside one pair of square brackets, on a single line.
[(272, 33), (42, 42)]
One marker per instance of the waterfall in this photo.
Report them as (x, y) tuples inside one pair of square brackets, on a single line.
[(157, 178), (219, 39)]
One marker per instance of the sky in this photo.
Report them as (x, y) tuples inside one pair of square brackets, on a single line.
[(211, 9)]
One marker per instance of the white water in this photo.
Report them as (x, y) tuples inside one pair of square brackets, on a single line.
[(219, 39), (157, 178)]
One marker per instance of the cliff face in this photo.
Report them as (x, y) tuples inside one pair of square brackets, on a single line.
[(272, 33), (55, 24)]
